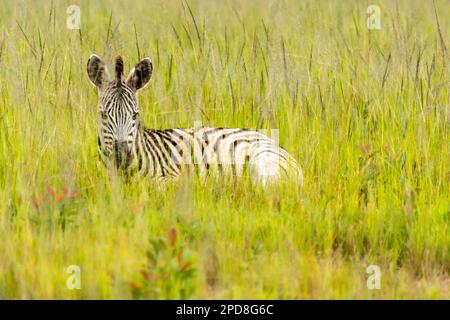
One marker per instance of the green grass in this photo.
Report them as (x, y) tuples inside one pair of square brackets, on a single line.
[(366, 113)]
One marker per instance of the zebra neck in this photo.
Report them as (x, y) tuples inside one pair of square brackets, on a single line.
[(142, 160), (153, 154)]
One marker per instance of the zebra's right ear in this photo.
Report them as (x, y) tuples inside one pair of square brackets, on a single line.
[(97, 71)]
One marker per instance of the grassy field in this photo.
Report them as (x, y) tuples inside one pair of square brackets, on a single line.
[(365, 112)]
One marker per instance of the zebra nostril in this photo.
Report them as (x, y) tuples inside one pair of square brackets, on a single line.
[(118, 142)]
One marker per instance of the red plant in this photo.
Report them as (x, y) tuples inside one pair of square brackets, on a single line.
[(76, 195), (172, 236), (37, 201), (57, 197), (134, 285), (147, 276), (184, 265)]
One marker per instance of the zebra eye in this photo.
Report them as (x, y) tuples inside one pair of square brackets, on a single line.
[(135, 115), (104, 115)]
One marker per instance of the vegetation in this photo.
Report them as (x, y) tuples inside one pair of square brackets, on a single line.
[(365, 112)]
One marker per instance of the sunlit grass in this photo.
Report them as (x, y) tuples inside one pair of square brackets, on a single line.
[(366, 113)]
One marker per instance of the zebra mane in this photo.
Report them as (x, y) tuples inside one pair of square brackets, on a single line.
[(119, 68)]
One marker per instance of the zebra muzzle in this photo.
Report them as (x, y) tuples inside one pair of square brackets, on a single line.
[(121, 154)]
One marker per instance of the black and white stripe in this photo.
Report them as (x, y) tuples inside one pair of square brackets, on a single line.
[(125, 144)]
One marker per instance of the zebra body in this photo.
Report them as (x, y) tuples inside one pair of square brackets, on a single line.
[(125, 144)]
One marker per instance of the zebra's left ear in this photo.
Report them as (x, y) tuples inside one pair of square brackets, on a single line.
[(140, 75)]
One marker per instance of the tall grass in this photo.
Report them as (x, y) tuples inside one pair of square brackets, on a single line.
[(366, 113)]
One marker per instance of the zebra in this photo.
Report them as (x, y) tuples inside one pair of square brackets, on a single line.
[(127, 146)]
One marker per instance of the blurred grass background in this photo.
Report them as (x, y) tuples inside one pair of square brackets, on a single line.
[(366, 113)]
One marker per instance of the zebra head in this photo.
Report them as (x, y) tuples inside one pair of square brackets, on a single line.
[(118, 109)]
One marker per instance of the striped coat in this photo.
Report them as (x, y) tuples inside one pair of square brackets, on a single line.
[(167, 153), (125, 144)]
